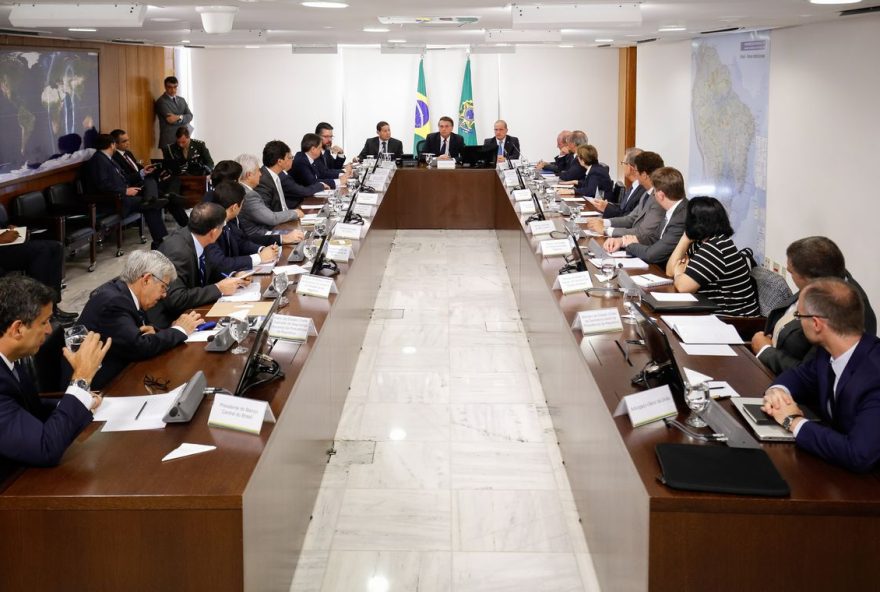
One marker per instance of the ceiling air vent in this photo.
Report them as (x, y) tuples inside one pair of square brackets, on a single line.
[(19, 32), (728, 30), (855, 11), (430, 21), (651, 40)]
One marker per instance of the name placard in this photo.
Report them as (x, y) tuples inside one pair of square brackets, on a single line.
[(521, 195), (648, 406), (537, 227), (510, 178), (363, 210), (291, 327), (371, 199), (313, 285), (239, 413), (387, 164), (601, 320), (290, 269), (446, 164), (377, 182), (352, 231), (340, 253), (526, 207), (570, 283), (554, 247)]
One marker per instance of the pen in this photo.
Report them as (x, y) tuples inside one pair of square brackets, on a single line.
[(144, 406)]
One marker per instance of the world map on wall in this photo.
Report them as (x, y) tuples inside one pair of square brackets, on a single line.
[(49, 104), (728, 156)]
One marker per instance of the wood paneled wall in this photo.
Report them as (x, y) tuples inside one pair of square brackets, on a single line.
[(626, 97), (130, 78)]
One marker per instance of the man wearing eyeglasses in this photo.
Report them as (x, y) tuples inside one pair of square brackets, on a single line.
[(841, 383), (117, 310), (331, 162)]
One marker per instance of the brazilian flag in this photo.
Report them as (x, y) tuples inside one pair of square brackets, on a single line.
[(466, 126), (423, 113)]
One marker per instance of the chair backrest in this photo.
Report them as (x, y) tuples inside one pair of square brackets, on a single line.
[(773, 290), (420, 146), (4, 217), (29, 205), (63, 194), (616, 192), (47, 362)]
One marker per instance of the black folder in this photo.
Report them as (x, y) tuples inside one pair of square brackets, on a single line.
[(720, 469)]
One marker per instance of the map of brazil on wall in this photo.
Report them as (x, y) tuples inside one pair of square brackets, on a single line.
[(730, 76), (49, 104)]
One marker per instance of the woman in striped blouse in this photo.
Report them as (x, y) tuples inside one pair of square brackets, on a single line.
[(707, 261)]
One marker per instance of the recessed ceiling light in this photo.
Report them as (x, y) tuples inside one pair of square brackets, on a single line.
[(604, 40), (835, 1), (325, 4), (376, 29), (671, 28), (502, 45), (81, 30), (397, 41), (566, 46), (185, 41), (163, 19)]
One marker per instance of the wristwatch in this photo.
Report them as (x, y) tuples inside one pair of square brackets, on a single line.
[(81, 383), (786, 423)]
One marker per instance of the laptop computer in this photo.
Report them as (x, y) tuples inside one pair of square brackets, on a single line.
[(764, 426), (702, 304)]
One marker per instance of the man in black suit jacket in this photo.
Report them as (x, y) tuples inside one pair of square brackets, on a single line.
[(145, 177), (278, 189), (444, 144), (382, 143), (305, 170), (198, 282), (115, 310), (629, 198), (102, 175), (234, 250), (33, 430), (506, 146), (331, 162), (563, 159)]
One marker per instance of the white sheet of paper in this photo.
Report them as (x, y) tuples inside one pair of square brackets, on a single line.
[(22, 234), (202, 336), (142, 412), (720, 389), (290, 269), (694, 377), (325, 193), (702, 329), (187, 450), (307, 207), (249, 293), (633, 263), (708, 350), (673, 297)]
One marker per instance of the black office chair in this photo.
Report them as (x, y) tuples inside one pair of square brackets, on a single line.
[(110, 217), (45, 366), (420, 147), (73, 230), (616, 192)]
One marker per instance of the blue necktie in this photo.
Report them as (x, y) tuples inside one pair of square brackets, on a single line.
[(500, 148), (202, 271)]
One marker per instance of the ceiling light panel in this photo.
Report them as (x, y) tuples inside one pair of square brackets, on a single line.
[(570, 14)]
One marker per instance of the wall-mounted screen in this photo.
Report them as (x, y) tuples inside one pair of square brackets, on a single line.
[(49, 104)]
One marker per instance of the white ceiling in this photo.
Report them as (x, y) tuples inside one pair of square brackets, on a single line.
[(286, 22)]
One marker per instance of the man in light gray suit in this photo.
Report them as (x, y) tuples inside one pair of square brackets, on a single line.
[(256, 217), (172, 111)]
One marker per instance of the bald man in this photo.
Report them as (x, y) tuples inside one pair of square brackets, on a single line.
[(506, 146)]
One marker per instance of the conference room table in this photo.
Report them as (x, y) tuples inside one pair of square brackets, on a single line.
[(112, 516)]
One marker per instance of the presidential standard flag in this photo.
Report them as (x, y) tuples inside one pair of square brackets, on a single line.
[(423, 114), (467, 129)]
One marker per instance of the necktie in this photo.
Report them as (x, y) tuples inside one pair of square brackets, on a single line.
[(15, 372), (443, 147), (500, 148), (142, 316), (629, 196), (832, 400), (384, 147), (280, 194), (227, 240), (130, 160), (202, 270)]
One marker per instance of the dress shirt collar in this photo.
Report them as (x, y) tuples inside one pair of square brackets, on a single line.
[(311, 160), (134, 297), (672, 209), (841, 361), (199, 248), (273, 174), (6, 361)]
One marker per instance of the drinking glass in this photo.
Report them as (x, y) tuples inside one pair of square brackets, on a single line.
[(608, 271), (74, 336), (352, 182), (310, 250), (574, 212), (429, 159), (600, 194), (696, 396), (280, 283), (632, 299), (321, 226), (238, 329), (551, 199)]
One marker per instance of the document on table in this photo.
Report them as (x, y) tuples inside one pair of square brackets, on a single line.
[(305, 207), (633, 263), (708, 350), (22, 234), (673, 296), (702, 329), (250, 293), (142, 412), (202, 336), (187, 450)]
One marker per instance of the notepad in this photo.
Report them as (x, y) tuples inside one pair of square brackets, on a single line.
[(702, 329), (650, 280)]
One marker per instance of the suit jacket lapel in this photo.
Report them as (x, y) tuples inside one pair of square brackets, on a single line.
[(851, 367)]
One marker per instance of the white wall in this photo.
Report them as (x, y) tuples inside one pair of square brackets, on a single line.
[(823, 130), (243, 98)]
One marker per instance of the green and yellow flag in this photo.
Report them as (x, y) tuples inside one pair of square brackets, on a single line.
[(423, 113), (467, 128)]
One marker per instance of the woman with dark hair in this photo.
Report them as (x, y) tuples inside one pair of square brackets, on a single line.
[(707, 261), (597, 175)]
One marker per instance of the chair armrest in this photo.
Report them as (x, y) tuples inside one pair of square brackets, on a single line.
[(53, 224), (111, 199)]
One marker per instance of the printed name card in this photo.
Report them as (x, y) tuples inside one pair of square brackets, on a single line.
[(537, 227), (363, 210), (381, 173), (339, 253), (601, 320), (648, 406), (521, 195), (510, 178), (446, 164), (314, 285), (291, 327), (526, 207), (352, 231), (371, 199), (515, 162), (377, 182), (239, 413), (555, 247), (570, 283), (387, 164)]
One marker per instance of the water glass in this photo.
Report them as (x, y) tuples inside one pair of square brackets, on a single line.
[(429, 158), (696, 397), (310, 250), (352, 182), (279, 284), (608, 271), (321, 226), (238, 330), (74, 336), (600, 193), (632, 299)]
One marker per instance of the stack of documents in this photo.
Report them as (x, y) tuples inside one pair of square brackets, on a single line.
[(621, 263), (702, 329), (250, 293), (650, 280)]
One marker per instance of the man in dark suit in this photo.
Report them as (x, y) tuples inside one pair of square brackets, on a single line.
[(234, 250), (506, 146), (305, 169), (444, 144), (102, 175), (225, 170), (34, 430), (116, 310), (783, 344), (256, 217), (172, 112), (331, 162), (279, 190), (186, 156), (574, 171), (841, 383), (629, 198), (669, 194), (562, 160), (383, 143), (146, 177), (198, 283)]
